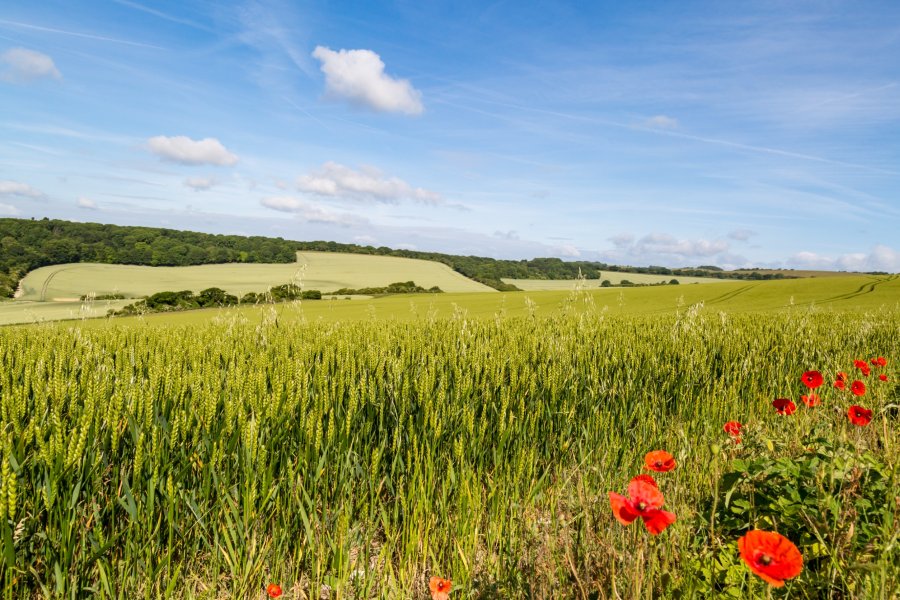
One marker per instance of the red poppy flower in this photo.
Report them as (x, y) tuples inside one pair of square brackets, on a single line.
[(732, 428), (784, 406), (839, 384), (859, 416), (659, 460), (812, 379), (771, 556), (863, 366), (882, 377), (811, 400), (273, 590), (858, 388), (440, 588), (644, 501), (841, 376), (646, 478), (879, 362)]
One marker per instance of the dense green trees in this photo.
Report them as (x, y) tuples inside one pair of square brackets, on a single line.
[(28, 244), (398, 287)]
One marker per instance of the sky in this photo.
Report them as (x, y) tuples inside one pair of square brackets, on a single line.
[(667, 133)]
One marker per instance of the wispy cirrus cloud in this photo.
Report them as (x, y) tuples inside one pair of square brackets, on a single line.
[(21, 65), (273, 30), (358, 76), (162, 15), (182, 149), (80, 34), (367, 183), (87, 203)]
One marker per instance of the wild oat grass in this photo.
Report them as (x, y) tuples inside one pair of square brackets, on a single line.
[(357, 460)]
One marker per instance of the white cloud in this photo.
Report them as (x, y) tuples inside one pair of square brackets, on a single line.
[(310, 212), (661, 122), (23, 66), (15, 188), (86, 203), (199, 184), (663, 249), (567, 250), (8, 210), (184, 150), (663, 243), (880, 258), (358, 76), (741, 235), (339, 181)]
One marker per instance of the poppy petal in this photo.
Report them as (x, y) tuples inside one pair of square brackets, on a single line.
[(657, 520), (646, 478), (644, 493), (771, 556), (621, 509)]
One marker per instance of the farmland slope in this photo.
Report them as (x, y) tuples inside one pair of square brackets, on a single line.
[(839, 295), (323, 271)]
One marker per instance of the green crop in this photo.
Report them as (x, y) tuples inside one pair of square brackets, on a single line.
[(357, 459)]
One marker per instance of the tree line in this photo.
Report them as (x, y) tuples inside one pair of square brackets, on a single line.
[(26, 244)]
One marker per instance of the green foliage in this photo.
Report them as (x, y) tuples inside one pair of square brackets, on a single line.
[(398, 287), (833, 493), (102, 297), (28, 244), (214, 297)]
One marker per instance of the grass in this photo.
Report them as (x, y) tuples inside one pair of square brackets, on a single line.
[(12, 312), (324, 271), (846, 293), (793, 295), (356, 458)]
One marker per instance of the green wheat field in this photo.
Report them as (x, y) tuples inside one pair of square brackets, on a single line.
[(356, 455)]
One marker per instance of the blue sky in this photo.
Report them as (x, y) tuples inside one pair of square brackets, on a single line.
[(674, 133)]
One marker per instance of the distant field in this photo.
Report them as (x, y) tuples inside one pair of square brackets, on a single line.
[(799, 273), (834, 294), (838, 293), (614, 278), (325, 271), (40, 312)]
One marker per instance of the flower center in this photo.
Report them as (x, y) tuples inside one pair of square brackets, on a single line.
[(641, 505), (765, 560)]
